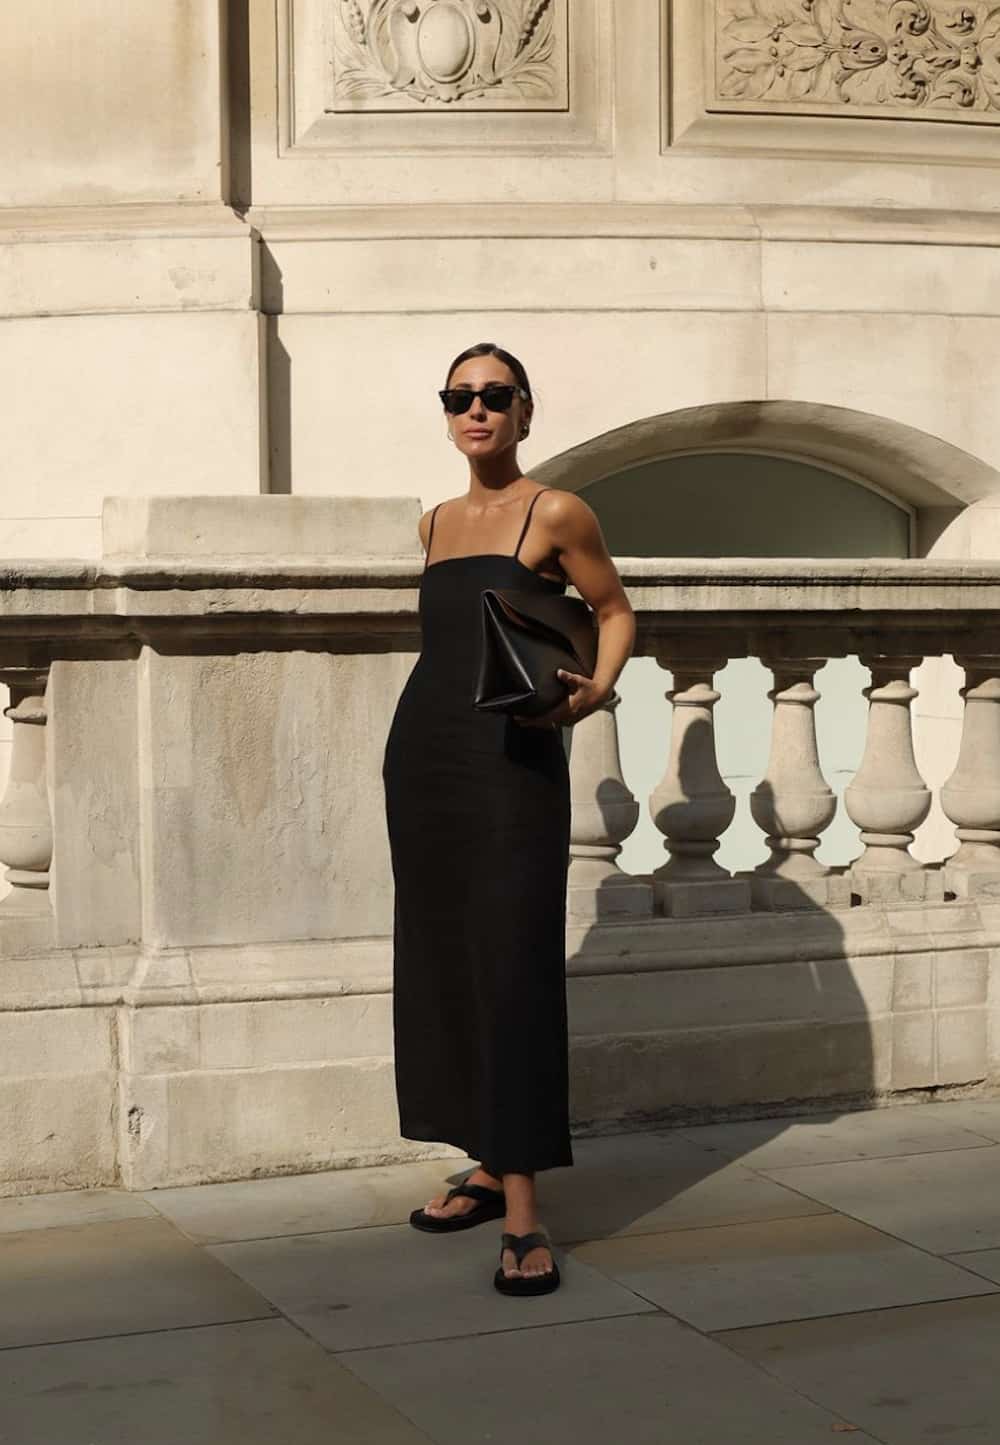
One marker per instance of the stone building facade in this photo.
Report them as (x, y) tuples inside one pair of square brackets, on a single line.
[(749, 251)]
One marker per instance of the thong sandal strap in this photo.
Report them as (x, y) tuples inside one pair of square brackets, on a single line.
[(475, 1191), (522, 1244)]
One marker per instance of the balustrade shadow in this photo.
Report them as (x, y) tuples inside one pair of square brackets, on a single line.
[(693, 1017)]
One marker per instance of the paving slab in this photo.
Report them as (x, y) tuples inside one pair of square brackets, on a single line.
[(748, 1274), (637, 1182), (245, 1384), (113, 1279), (386, 1286), (978, 1116), (985, 1262), (943, 1202), (305, 1203), (831, 1137), (71, 1207), (927, 1373), (645, 1380), (645, 1183)]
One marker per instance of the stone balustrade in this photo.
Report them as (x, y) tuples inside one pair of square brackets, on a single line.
[(891, 615), (196, 754)]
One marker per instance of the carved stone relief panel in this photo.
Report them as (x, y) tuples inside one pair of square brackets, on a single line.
[(782, 75), (933, 58), (395, 78), (468, 54)]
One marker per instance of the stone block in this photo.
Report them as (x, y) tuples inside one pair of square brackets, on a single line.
[(692, 900), (672, 999), (168, 403), (968, 883), (961, 1045), (174, 262), (260, 526), (93, 768), (327, 275), (139, 120), (913, 982), (785, 895), (257, 1034), (56, 1132), (801, 350), (656, 1075), (624, 898), (56, 1041), (961, 976), (22, 935), (913, 1050), (263, 814), (210, 1125), (923, 885)]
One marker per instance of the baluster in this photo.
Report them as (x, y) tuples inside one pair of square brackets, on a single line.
[(971, 796), (604, 814), (793, 803), (25, 825), (691, 805), (888, 799)]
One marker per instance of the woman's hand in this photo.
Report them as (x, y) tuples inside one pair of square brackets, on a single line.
[(585, 696)]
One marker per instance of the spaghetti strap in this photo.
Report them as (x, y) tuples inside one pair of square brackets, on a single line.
[(527, 519), (430, 536)]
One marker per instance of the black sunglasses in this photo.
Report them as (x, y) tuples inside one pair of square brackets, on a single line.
[(497, 396)]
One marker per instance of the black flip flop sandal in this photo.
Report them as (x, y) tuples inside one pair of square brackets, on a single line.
[(492, 1205), (521, 1244)]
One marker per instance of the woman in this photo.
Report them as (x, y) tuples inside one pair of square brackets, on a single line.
[(477, 806)]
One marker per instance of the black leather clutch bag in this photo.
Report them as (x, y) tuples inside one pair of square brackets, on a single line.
[(525, 637)]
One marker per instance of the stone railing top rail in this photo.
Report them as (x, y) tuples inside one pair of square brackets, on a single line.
[(730, 607), (744, 582)]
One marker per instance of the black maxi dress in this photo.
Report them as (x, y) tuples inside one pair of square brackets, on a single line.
[(478, 812)]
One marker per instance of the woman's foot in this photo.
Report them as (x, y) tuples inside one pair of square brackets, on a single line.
[(461, 1203), (536, 1262)]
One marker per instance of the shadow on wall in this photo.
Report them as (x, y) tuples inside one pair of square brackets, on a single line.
[(278, 378), (748, 1013)]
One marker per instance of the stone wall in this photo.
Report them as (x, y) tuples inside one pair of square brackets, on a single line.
[(196, 953)]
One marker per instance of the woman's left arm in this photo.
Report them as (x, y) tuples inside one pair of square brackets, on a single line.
[(576, 537)]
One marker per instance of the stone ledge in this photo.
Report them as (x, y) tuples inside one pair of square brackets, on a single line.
[(76, 261), (924, 226), (241, 973)]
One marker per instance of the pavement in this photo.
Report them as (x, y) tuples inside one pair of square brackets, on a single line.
[(789, 1281)]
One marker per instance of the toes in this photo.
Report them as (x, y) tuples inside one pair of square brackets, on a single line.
[(536, 1268), (510, 1268)]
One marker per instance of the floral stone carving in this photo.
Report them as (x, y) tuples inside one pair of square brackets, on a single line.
[(933, 56), (391, 54)]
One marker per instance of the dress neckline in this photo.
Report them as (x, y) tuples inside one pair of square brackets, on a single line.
[(470, 556)]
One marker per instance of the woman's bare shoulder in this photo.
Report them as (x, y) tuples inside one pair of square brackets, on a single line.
[(424, 525), (565, 510)]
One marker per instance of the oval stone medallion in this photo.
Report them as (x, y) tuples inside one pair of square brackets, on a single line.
[(445, 41)]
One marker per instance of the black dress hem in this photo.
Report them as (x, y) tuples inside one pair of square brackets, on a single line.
[(502, 1167)]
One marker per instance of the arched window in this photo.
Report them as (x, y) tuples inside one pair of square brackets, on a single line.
[(745, 504)]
